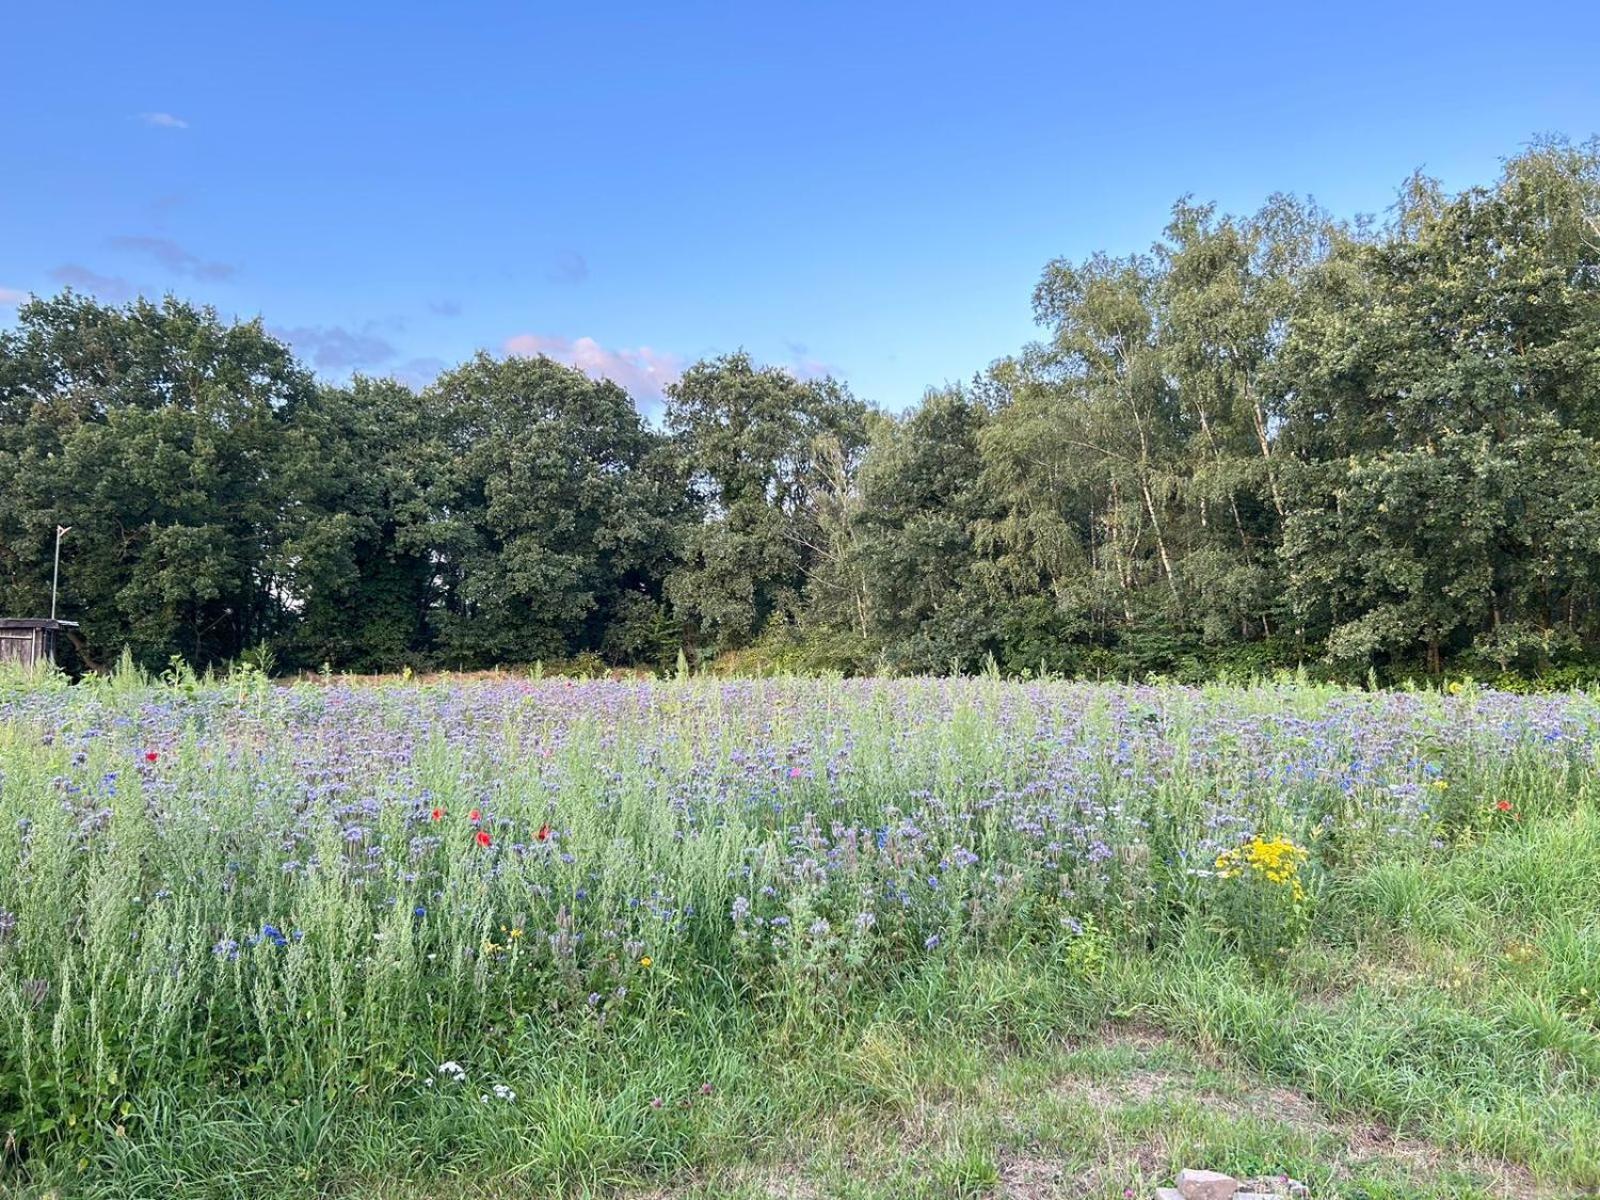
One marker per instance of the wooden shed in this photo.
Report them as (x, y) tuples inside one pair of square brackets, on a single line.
[(30, 641)]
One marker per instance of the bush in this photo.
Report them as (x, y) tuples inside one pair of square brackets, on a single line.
[(1259, 901)]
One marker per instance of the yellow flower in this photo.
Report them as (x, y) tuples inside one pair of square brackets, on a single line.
[(1277, 860), (647, 962), (515, 934)]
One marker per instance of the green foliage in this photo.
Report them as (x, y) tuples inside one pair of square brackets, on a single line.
[(547, 513), (1259, 900), (1272, 441), (762, 449), (159, 434), (1088, 949)]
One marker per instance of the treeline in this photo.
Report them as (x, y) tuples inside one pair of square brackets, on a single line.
[(1272, 440)]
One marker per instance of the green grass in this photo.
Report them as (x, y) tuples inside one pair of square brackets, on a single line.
[(1437, 1033)]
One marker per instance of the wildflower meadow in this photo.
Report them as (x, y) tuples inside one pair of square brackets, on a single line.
[(532, 936)]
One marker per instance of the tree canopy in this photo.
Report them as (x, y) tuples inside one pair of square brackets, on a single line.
[(1267, 440)]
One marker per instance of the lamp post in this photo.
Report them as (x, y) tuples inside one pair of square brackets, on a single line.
[(55, 576)]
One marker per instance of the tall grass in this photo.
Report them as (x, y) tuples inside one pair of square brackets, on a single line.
[(303, 934)]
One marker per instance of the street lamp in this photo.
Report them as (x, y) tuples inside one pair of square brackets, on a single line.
[(55, 577)]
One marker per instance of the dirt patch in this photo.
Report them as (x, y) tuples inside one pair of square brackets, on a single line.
[(774, 1182), (1138, 1087), (1280, 1105), (1144, 1160), (1244, 1097), (1137, 1035), (1034, 1164), (1024, 1177), (1374, 1141)]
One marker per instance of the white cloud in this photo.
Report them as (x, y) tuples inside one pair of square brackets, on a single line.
[(163, 120), (12, 295), (641, 372)]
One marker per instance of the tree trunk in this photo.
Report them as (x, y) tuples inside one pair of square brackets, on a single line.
[(1161, 544), (1260, 421)]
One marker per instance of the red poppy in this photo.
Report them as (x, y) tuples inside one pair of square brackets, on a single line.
[(484, 839), (436, 815), (1504, 806), (150, 756), (474, 815), (544, 833)]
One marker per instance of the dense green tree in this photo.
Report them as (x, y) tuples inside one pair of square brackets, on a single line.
[(1087, 461), (363, 462), (547, 511), (1227, 292), (759, 445), (157, 432), (1270, 439), (1444, 366), (924, 599)]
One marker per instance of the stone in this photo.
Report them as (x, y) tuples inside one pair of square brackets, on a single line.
[(1273, 1187), (1168, 1194), (1206, 1185)]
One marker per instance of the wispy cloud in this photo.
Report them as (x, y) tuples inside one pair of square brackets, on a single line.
[(163, 120), (445, 308), (641, 372), (175, 258), (12, 296), (568, 267), (336, 348), (106, 287), (418, 373), (804, 365)]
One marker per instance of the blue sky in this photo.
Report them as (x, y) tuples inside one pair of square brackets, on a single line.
[(869, 189)]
